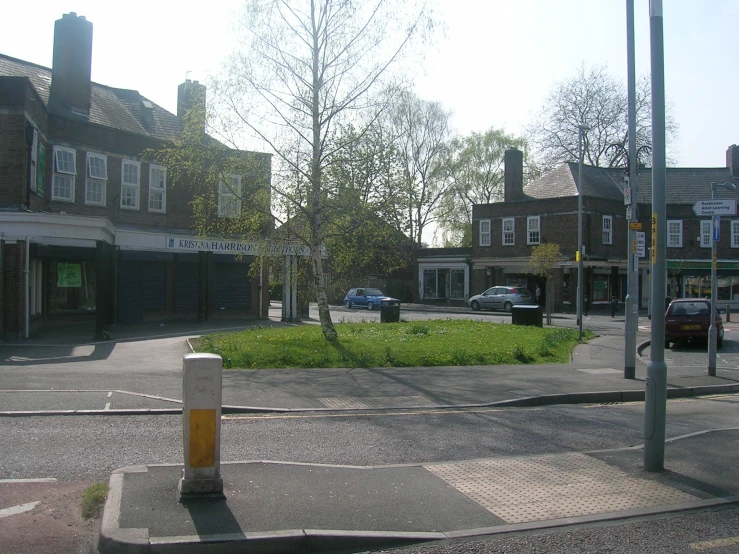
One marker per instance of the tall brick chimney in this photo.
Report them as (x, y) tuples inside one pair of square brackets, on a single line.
[(732, 160), (191, 98), (513, 168), (72, 65)]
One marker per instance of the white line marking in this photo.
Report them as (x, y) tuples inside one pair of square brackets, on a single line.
[(110, 394), (107, 406), (15, 510), (40, 480)]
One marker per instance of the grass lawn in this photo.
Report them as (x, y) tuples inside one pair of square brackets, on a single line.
[(405, 344)]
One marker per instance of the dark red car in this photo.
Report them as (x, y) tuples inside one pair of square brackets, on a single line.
[(689, 319)]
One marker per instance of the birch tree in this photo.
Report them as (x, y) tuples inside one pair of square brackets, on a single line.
[(307, 67)]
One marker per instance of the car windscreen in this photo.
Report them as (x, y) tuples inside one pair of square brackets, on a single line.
[(689, 309), (373, 292)]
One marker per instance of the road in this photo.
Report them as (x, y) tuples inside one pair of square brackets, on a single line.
[(79, 450)]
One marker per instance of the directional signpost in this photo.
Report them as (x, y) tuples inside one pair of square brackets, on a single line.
[(725, 206), (715, 208)]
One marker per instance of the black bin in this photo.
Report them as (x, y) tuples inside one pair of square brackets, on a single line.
[(527, 315), (389, 311)]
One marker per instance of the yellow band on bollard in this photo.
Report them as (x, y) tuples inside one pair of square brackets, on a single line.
[(202, 438)]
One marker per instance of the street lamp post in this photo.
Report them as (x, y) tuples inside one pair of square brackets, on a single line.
[(712, 330), (581, 129)]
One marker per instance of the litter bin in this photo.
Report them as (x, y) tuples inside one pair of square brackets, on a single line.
[(527, 315), (389, 311)]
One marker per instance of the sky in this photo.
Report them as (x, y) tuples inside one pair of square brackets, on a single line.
[(494, 66)]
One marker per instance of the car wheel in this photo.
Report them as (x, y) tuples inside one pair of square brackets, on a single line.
[(475, 305), (370, 306), (667, 344), (720, 339), (347, 304), (507, 306)]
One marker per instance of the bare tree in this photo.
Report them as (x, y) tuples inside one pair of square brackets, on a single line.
[(423, 136), (596, 99), (309, 66)]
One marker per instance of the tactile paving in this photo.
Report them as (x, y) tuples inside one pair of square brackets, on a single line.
[(360, 402), (553, 487)]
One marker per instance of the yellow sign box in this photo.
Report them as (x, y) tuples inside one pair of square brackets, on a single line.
[(636, 226)]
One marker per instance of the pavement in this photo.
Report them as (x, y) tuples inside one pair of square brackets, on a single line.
[(273, 506)]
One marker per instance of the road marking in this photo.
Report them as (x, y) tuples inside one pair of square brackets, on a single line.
[(15, 510), (110, 394), (40, 480), (107, 406), (717, 543)]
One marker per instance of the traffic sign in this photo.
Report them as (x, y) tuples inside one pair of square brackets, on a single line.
[(641, 244), (716, 228), (636, 226), (725, 206)]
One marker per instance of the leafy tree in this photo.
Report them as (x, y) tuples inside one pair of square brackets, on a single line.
[(308, 67), (475, 166), (596, 99), (544, 258)]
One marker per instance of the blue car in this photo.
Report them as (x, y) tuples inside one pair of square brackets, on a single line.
[(367, 297)]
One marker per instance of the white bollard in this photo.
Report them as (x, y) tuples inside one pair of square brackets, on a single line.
[(201, 425)]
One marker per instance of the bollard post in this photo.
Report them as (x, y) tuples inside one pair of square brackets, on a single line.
[(201, 426)]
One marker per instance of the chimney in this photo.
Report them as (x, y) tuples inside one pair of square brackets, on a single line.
[(732, 160), (71, 67), (191, 104), (513, 164)]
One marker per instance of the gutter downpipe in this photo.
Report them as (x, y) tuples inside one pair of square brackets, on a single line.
[(27, 307)]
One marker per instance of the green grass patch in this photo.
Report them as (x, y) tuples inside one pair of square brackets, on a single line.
[(449, 342), (93, 499)]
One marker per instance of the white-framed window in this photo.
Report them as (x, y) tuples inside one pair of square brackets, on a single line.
[(65, 170), (533, 227), (130, 184), (229, 196), (706, 233), (735, 233), (607, 229), (484, 232), (97, 178), (509, 231), (157, 188), (674, 233)]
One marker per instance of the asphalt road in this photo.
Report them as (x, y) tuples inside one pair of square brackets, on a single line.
[(77, 448)]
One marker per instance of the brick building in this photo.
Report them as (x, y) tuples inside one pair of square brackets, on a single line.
[(546, 211), (92, 228)]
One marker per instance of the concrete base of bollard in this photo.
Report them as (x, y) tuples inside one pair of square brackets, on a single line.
[(189, 489)]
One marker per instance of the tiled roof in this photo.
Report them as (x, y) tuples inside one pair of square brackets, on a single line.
[(110, 107), (683, 185)]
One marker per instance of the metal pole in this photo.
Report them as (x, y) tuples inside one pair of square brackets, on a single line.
[(632, 289), (712, 331), (580, 130), (655, 410)]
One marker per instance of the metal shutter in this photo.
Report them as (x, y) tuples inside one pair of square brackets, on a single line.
[(231, 286)]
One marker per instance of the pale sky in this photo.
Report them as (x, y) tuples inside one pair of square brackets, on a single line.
[(494, 68)]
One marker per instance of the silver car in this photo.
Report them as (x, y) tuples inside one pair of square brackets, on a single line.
[(500, 298)]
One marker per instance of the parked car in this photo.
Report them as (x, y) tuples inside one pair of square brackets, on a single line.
[(500, 298), (689, 319), (367, 297)]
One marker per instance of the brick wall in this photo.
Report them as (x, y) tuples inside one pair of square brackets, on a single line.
[(12, 159)]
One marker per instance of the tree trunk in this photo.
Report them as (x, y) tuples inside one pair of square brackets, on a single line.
[(324, 314), (550, 295)]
